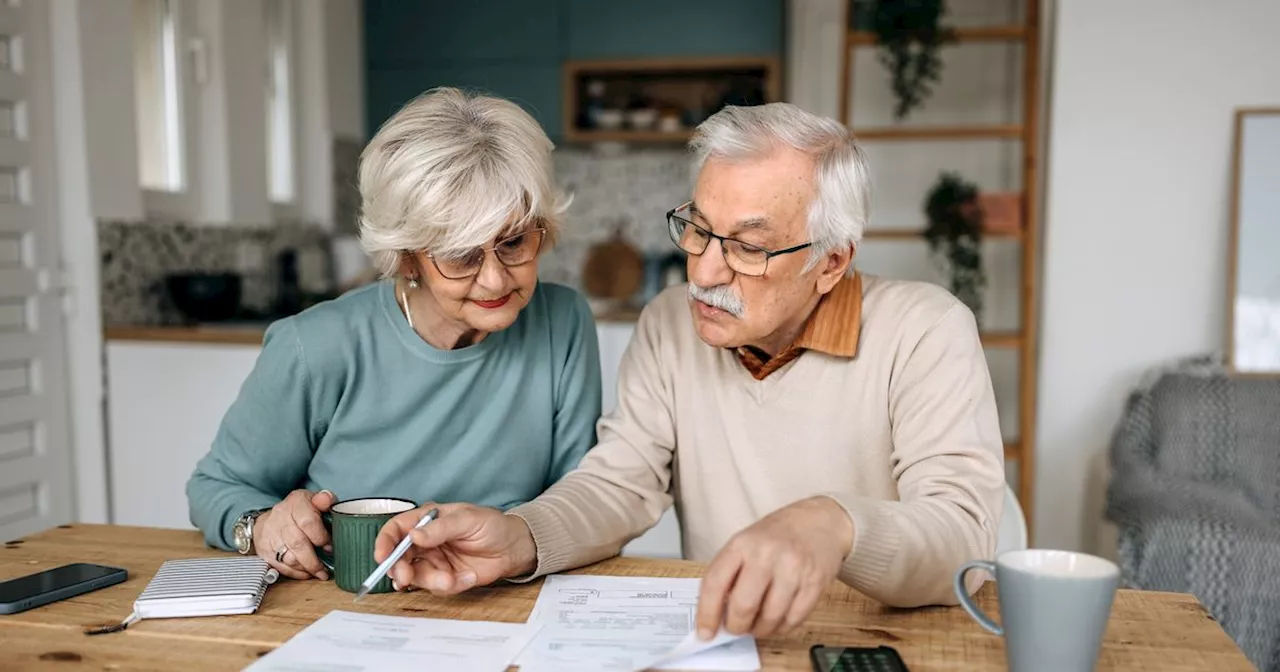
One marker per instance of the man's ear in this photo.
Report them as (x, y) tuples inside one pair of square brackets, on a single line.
[(833, 267)]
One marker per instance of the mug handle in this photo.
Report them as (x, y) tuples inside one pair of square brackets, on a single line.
[(967, 602), (326, 558)]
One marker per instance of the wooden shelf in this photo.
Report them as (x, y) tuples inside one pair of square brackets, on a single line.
[(996, 131), (918, 234), (1001, 339), (1024, 337), (668, 86), (1014, 33), (627, 135)]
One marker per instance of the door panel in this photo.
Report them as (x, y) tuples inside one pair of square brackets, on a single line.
[(35, 470)]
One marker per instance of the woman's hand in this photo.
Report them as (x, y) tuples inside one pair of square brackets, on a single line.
[(466, 546), (292, 529)]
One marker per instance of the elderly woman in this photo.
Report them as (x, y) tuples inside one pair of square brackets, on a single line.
[(457, 377)]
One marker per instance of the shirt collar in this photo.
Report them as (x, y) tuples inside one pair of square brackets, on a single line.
[(836, 322)]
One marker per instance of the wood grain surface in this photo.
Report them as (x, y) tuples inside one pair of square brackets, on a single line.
[(1147, 630)]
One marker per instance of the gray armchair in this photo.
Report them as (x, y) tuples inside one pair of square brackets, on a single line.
[(1195, 495)]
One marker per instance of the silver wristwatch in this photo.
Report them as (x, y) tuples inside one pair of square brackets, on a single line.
[(242, 532)]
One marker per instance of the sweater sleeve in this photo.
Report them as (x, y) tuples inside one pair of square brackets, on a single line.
[(577, 407), (264, 444), (620, 489), (948, 461)]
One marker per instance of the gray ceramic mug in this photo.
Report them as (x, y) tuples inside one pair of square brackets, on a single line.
[(1054, 606)]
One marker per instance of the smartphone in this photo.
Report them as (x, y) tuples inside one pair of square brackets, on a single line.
[(851, 659), (59, 583)]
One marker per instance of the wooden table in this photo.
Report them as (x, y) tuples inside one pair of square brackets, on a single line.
[(1147, 630)]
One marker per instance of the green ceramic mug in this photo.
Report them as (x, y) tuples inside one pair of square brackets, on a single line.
[(353, 526)]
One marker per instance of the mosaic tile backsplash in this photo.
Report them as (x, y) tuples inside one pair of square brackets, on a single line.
[(137, 256), (628, 191), (613, 191)]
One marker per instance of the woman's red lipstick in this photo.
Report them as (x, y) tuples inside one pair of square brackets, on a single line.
[(496, 303)]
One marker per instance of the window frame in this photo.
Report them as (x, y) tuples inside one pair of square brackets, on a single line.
[(284, 210), (180, 203)]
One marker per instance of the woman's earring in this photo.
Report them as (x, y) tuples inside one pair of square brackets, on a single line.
[(404, 297)]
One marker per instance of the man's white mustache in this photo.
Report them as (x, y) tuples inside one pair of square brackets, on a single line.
[(720, 296)]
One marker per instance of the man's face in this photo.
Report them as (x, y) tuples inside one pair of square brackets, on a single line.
[(763, 202)]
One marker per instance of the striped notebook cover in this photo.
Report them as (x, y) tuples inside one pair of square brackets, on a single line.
[(205, 587)]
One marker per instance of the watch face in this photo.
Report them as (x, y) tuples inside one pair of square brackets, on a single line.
[(242, 537)]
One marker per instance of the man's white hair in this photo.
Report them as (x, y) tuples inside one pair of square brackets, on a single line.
[(840, 209), (450, 171)]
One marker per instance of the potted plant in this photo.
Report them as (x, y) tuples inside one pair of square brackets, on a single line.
[(954, 234), (910, 36), (1001, 212)]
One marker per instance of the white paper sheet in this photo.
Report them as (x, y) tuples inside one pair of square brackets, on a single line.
[(626, 623), (344, 641)]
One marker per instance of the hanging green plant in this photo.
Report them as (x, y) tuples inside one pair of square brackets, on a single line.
[(954, 234), (910, 36)]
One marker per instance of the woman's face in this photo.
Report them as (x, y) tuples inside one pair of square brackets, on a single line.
[(476, 288)]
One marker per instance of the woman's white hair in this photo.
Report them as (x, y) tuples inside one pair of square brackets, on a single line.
[(839, 211), (451, 170)]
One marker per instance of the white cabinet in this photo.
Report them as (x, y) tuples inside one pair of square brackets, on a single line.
[(166, 400), (663, 539), (164, 404)]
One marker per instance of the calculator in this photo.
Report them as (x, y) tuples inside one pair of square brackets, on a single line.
[(850, 659)]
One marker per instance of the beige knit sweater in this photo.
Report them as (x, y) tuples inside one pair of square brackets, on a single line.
[(904, 436)]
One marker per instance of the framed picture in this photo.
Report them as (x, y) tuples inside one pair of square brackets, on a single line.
[(1253, 303)]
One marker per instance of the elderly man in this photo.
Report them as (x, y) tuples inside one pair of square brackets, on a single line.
[(808, 421)]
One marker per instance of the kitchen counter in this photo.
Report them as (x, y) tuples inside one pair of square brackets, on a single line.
[(249, 333), (168, 388), (238, 334)]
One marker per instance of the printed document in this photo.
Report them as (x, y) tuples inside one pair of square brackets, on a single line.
[(344, 641), (627, 623)]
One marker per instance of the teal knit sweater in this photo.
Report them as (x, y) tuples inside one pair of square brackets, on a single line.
[(346, 397)]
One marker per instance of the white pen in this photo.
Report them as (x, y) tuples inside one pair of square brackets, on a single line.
[(395, 556)]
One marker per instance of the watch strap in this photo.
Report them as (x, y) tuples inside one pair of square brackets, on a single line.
[(247, 520)]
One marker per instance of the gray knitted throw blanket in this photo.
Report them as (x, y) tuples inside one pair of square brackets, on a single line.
[(1195, 492)]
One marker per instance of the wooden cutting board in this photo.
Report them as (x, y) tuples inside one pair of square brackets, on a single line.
[(614, 269)]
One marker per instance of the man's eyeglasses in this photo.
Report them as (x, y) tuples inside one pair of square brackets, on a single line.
[(743, 258), (510, 251)]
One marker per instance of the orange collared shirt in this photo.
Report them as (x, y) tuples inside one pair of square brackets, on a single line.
[(832, 329)]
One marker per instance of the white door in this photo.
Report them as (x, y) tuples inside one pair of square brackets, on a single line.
[(35, 473)]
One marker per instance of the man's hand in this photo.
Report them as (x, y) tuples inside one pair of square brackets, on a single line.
[(466, 546), (295, 526), (769, 576)]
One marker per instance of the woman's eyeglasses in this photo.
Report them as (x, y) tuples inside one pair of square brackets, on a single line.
[(510, 251), (741, 257)]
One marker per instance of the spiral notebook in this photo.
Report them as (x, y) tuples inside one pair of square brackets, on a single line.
[(201, 587)]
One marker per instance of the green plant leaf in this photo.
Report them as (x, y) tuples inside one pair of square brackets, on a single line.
[(954, 235)]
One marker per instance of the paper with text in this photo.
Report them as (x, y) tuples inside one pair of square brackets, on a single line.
[(626, 623), (344, 641)]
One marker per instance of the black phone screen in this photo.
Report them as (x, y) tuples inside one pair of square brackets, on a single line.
[(850, 659), (26, 587)]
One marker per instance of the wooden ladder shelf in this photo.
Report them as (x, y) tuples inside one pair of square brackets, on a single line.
[(1021, 449)]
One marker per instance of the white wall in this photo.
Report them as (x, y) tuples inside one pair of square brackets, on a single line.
[(1135, 264), (106, 83), (345, 29), (98, 171), (231, 114), (980, 84), (225, 111), (93, 124), (330, 72)]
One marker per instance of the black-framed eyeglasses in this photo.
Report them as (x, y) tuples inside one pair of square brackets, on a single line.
[(743, 258), (511, 251)]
